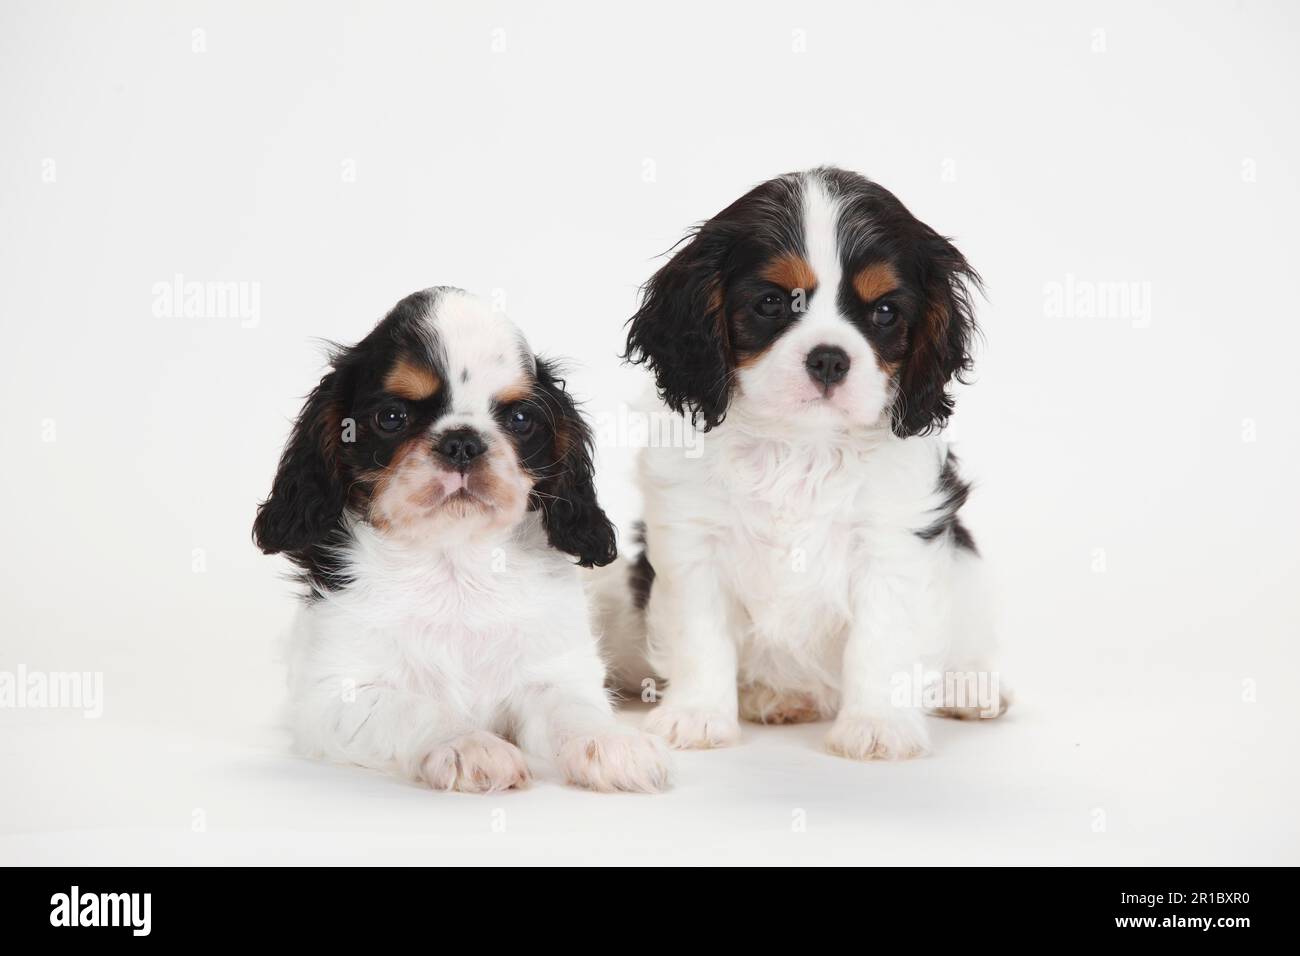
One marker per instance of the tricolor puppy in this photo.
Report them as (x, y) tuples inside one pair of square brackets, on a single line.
[(434, 492), (810, 562)]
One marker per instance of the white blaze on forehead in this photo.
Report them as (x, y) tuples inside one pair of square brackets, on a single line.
[(821, 215), (483, 352)]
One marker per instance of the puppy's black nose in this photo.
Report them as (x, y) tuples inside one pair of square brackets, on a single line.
[(461, 446), (827, 365)]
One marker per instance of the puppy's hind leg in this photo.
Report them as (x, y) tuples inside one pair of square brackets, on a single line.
[(761, 704), (616, 595), (970, 686)]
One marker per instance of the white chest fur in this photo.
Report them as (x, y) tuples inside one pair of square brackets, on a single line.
[(793, 529), (464, 625)]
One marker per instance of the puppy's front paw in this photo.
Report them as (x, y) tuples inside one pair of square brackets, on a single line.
[(878, 738), (479, 762), (690, 728), (632, 762)]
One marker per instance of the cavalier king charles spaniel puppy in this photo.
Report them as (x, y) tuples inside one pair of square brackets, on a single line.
[(434, 492), (807, 560)]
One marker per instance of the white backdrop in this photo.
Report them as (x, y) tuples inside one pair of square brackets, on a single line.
[(1136, 460)]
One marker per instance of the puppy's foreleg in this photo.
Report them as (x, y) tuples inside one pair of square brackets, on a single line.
[(409, 734), (872, 724), (691, 638), (571, 721)]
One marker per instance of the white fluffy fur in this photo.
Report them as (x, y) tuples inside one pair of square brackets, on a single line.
[(785, 555), (453, 650)]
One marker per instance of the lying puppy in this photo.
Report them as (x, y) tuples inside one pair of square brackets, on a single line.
[(434, 483), (807, 561)]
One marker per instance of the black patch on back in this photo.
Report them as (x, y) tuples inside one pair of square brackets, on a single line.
[(955, 492), (640, 576)]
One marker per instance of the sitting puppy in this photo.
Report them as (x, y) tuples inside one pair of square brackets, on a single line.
[(434, 483), (807, 560)]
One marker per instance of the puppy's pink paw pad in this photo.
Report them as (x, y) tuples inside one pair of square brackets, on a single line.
[(479, 762), (627, 762), (687, 729), (874, 738)]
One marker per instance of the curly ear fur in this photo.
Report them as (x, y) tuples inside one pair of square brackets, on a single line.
[(681, 331), (308, 493), (566, 492), (940, 345)]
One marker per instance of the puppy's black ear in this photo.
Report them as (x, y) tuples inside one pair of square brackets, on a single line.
[(565, 492), (939, 347), (681, 329), (308, 494)]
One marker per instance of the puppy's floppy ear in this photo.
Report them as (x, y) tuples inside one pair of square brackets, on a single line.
[(308, 494), (939, 348), (681, 331), (565, 492)]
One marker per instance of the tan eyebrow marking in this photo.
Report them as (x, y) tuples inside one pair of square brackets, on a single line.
[(408, 380), (513, 393), (791, 271), (874, 281)]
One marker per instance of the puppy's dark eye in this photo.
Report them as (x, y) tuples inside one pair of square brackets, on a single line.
[(771, 306), (884, 315), (519, 421), (390, 418)]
